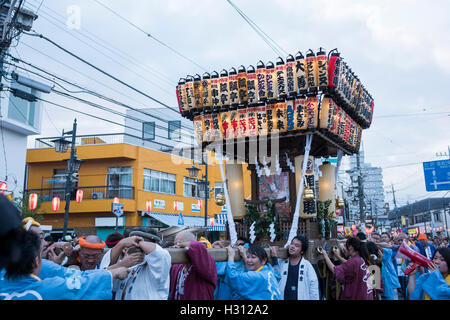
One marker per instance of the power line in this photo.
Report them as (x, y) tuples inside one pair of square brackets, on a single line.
[(410, 114), (111, 58), (102, 71), (149, 35), (87, 91), (110, 47), (274, 46)]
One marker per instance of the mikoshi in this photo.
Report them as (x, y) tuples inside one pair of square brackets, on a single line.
[(273, 117)]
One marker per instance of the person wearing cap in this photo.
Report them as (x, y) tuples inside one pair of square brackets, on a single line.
[(426, 248)]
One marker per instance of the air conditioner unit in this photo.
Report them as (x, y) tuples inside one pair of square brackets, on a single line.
[(97, 195)]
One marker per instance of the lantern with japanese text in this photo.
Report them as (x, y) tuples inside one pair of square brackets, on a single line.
[(79, 196), (261, 81), (148, 205), (55, 203), (242, 86), (271, 81), (32, 201)]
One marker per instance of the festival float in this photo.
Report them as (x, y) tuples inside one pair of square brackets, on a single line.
[(281, 118)]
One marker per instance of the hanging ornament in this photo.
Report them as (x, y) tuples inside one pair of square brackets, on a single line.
[(257, 168), (272, 232), (252, 232), (32, 201), (55, 203), (277, 165), (79, 196), (289, 163), (266, 169)]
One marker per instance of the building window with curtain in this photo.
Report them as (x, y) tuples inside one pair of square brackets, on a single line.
[(148, 131), (120, 182), (190, 188), (157, 181), (175, 130)]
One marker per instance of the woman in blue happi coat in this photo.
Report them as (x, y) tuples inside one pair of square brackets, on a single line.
[(434, 285), (258, 280), (19, 279)]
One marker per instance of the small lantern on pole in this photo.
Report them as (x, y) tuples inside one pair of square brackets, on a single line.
[(61, 145)]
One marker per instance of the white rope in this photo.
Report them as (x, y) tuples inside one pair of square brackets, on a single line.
[(294, 226)]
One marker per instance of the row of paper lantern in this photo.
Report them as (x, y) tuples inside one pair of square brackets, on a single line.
[(33, 200), (298, 76)]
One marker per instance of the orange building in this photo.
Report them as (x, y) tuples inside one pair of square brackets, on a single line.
[(111, 168)]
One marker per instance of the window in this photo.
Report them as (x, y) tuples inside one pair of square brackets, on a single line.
[(190, 188), (120, 182), (437, 216), (22, 110), (157, 181), (175, 130), (148, 131)]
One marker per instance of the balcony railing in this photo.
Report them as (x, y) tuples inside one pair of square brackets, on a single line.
[(89, 193)]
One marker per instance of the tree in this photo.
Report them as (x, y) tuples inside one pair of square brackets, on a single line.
[(22, 203)]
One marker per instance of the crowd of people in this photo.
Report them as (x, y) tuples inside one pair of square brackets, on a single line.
[(136, 266)]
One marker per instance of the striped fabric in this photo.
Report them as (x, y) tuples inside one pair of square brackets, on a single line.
[(220, 221)]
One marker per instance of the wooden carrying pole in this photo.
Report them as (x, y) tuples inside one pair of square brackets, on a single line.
[(179, 255)]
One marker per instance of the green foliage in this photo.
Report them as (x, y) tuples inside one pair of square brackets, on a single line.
[(325, 218), (22, 204), (262, 219)]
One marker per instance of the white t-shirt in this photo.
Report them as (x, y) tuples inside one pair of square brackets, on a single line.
[(149, 280)]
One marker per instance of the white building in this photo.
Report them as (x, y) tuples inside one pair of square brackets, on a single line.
[(19, 119)]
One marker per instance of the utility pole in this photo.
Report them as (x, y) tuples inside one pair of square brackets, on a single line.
[(393, 195), (360, 193), (70, 172)]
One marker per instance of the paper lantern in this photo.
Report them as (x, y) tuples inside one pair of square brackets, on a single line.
[(148, 205), (199, 203), (116, 200), (79, 196), (3, 187), (211, 220), (55, 203), (32, 201), (175, 205)]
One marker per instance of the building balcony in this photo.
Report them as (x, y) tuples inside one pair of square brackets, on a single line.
[(89, 193)]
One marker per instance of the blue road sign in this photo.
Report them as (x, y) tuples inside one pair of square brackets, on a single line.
[(180, 220), (437, 175)]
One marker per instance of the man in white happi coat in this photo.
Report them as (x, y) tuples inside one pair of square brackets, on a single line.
[(149, 269), (298, 278)]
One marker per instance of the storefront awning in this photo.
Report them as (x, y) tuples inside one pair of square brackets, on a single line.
[(188, 221)]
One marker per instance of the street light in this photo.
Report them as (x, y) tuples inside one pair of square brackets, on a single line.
[(73, 164), (202, 184)]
